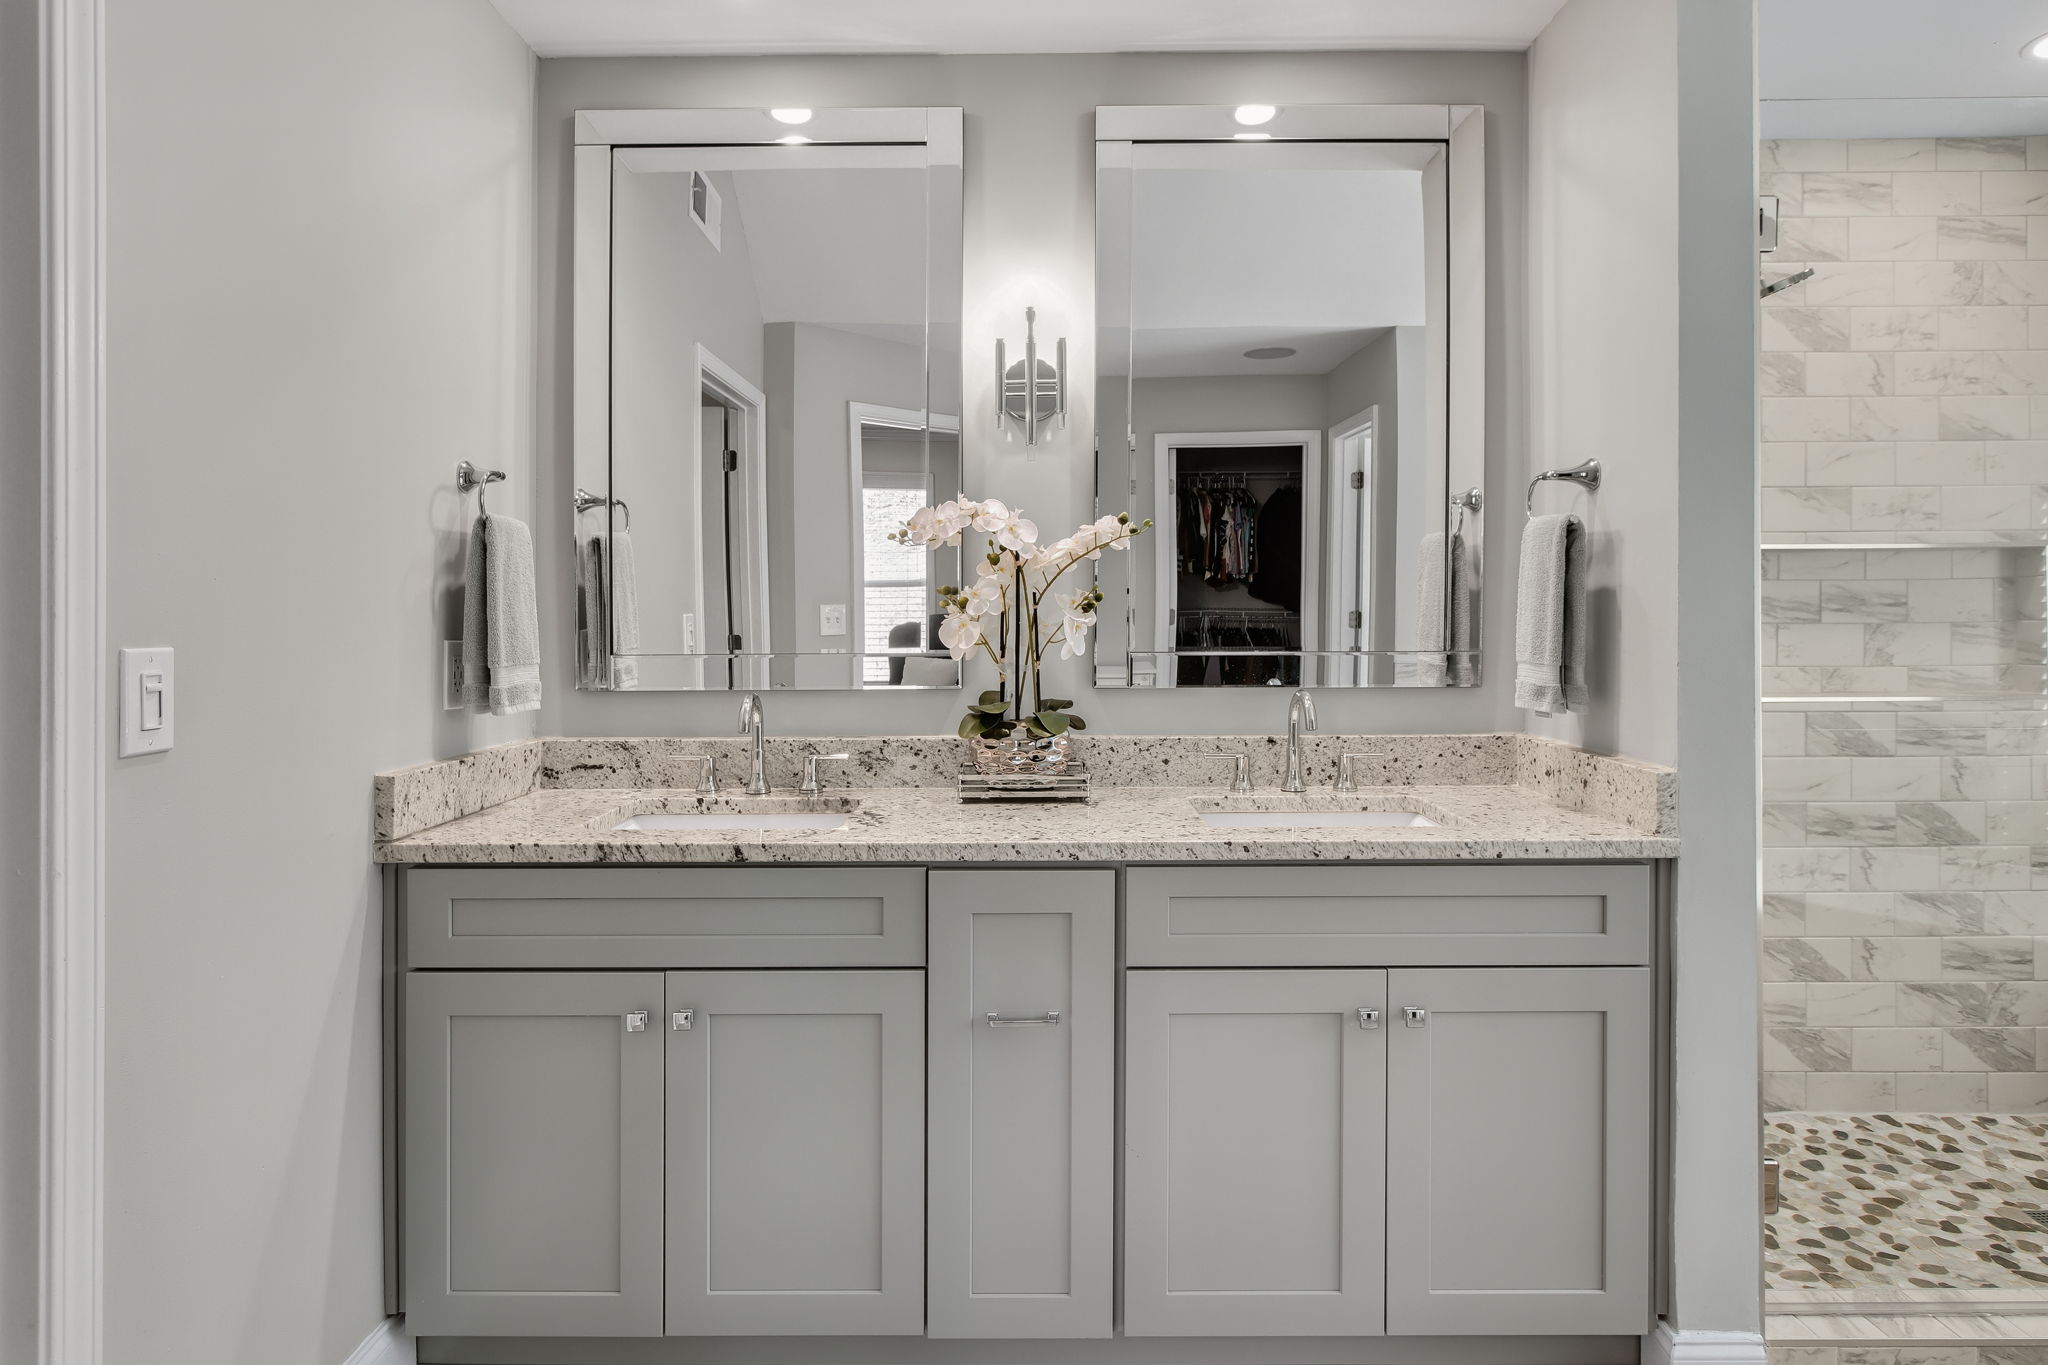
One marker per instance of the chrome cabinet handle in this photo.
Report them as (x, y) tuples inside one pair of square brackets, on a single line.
[(1050, 1018), (636, 1022), (1368, 1018), (682, 1020), (1416, 1018)]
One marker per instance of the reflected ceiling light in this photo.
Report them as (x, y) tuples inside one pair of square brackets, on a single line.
[(2037, 48), (793, 140), (790, 115), (1251, 115), (1253, 137), (1269, 353)]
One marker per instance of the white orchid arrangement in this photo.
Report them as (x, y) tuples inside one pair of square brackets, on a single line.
[(1007, 610)]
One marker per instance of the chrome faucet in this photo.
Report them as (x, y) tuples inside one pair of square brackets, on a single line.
[(752, 725), (1301, 715)]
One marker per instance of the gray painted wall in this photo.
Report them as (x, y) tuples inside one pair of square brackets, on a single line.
[(1030, 228), (1639, 111), (320, 252), (20, 667)]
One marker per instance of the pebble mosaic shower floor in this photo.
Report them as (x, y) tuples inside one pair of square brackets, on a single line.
[(1927, 1201)]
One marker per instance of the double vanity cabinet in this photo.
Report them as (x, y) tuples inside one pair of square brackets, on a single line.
[(1215, 1100)]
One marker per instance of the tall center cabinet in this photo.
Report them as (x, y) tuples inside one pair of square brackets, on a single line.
[(1332, 1101)]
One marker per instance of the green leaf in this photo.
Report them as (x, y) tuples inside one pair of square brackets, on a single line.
[(1052, 722), (1075, 722), (993, 708), (1035, 728), (1055, 704), (992, 697), (970, 727)]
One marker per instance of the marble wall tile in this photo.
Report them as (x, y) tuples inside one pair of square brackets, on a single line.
[(2014, 192), (1810, 154), (2018, 1093), (1784, 1004), (1933, 194), (1890, 154), (1942, 823), (1782, 733), (1846, 373), (1895, 509), (1939, 462), (1895, 239), (1806, 959), (1848, 914), (1940, 282), (1783, 916), (1811, 1049), (1813, 239), (1895, 779), (2013, 282), (1989, 507), (1781, 374), (1926, 1093), (1814, 329), (2014, 462), (1984, 868), (1784, 823), (1965, 778), (1808, 779), (1884, 1049), (1806, 509), (1819, 644), (1950, 600), (1988, 1049), (1852, 824), (1951, 154), (1895, 419), (1850, 1004), (1847, 1092), (1846, 193), (1925, 643), (1783, 463), (1986, 417), (1785, 1090), (1914, 327), (1796, 602), (1895, 959), (1984, 329), (1987, 959), (1838, 284), (1970, 239), (2002, 1004)]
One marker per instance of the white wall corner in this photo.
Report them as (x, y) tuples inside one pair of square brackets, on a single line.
[(387, 1344), (1669, 1345)]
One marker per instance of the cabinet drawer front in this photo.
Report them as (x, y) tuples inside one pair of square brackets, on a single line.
[(665, 917), (1364, 915), (1021, 1202)]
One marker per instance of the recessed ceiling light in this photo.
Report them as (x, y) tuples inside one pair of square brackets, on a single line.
[(793, 140), (1253, 137), (1269, 353), (790, 115), (2037, 48), (1251, 115)]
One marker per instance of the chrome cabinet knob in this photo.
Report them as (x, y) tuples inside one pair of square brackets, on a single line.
[(682, 1020), (636, 1022), (1368, 1018), (1416, 1018)]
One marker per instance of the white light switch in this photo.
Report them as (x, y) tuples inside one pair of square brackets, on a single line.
[(832, 618), (148, 700)]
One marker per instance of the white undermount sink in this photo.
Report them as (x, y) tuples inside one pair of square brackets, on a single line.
[(734, 819), (1317, 819), (735, 813)]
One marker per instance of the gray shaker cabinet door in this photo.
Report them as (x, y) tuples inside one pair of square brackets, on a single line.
[(795, 1153), (1254, 1153), (1023, 1108), (1519, 1175), (532, 1160)]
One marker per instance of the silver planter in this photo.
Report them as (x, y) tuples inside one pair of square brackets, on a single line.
[(1020, 754)]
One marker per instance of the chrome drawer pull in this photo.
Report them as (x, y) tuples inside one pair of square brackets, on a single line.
[(1416, 1018), (1049, 1018), (636, 1022), (682, 1020), (1368, 1018)]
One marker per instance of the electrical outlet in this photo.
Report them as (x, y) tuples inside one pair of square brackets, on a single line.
[(832, 618), (451, 675)]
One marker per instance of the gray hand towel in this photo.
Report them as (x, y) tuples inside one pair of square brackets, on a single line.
[(590, 633), (622, 608), (1446, 612), (1550, 616), (500, 619)]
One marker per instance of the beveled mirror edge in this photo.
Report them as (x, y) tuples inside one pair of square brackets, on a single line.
[(596, 133), (1462, 128)]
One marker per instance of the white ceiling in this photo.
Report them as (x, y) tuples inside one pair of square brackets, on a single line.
[(1901, 68), (595, 28)]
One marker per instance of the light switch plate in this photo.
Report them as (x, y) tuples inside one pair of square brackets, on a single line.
[(148, 700), (832, 618), (451, 675)]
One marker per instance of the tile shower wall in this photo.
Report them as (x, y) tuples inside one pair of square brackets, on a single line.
[(1905, 401)]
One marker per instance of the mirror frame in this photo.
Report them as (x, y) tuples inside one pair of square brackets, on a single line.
[(597, 135), (1461, 128)]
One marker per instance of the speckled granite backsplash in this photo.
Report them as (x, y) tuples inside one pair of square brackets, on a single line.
[(1641, 795)]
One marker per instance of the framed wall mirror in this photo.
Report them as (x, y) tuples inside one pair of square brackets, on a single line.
[(1290, 383), (767, 383)]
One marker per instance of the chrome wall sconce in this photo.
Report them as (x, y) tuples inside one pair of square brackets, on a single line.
[(1031, 391)]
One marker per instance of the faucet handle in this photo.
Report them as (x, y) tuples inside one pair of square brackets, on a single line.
[(811, 761), (707, 777), (1344, 780), (1241, 775)]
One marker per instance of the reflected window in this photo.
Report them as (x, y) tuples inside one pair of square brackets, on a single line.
[(896, 587)]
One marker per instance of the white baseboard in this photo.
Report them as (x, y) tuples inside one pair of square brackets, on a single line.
[(1668, 1345), (387, 1344)]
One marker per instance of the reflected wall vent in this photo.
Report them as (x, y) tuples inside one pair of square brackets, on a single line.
[(706, 207)]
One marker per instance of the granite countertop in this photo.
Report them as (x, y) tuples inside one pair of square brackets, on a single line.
[(929, 824)]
